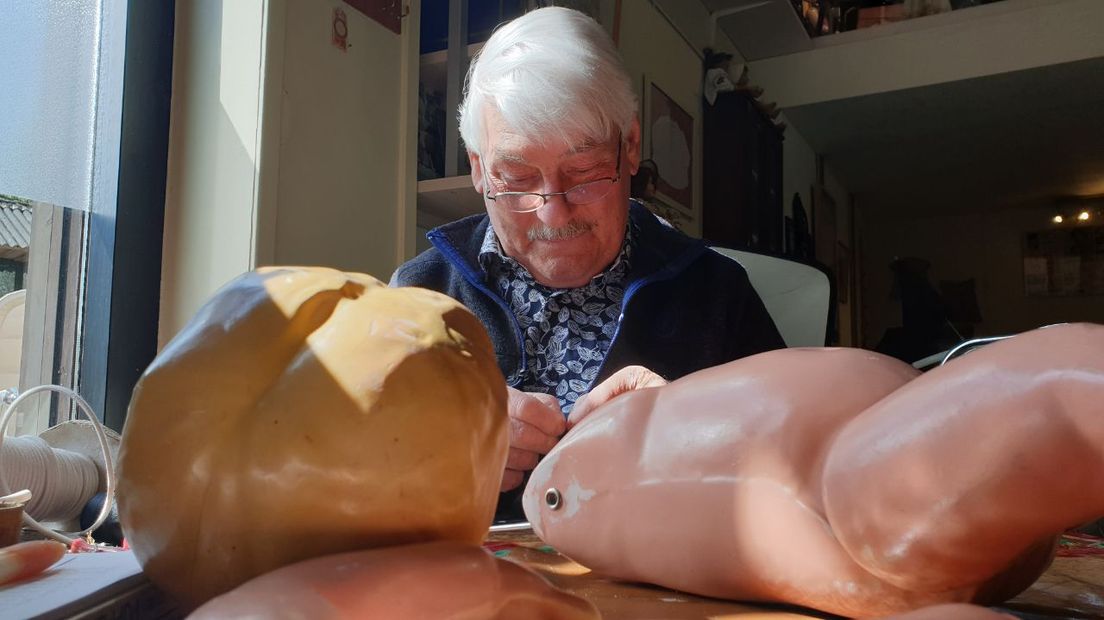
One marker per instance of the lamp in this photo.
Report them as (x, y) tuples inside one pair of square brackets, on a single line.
[(1077, 216), (1077, 210)]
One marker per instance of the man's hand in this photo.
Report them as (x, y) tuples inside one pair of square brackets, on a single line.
[(536, 424), (625, 380)]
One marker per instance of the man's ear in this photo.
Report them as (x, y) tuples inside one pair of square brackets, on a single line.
[(476, 172), (632, 146)]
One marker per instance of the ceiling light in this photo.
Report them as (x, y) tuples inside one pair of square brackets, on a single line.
[(1058, 219), (1083, 216)]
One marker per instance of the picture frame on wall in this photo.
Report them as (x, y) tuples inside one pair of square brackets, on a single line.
[(669, 142), (1064, 261)]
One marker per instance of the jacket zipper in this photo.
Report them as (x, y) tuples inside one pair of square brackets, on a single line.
[(454, 257)]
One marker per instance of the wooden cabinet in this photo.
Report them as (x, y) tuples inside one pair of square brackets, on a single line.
[(742, 175)]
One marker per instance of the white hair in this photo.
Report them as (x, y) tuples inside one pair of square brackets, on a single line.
[(552, 73)]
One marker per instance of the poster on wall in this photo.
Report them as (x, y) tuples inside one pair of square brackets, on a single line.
[(1064, 261), (671, 147)]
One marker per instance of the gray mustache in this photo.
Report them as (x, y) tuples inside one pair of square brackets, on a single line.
[(547, 233)]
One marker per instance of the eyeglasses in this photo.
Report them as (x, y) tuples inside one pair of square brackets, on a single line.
[(581, 194)]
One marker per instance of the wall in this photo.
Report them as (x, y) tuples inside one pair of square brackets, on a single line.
[(984, 246), (798, 169), (654, 51), (284, 149), (211, 203), (343, 129), (845, 321)]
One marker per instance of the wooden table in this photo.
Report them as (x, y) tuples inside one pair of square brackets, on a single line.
[(1071, 588), (103, 586)]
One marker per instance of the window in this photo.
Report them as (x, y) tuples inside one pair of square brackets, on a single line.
[(83, 149)]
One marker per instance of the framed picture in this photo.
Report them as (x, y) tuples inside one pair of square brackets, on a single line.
[(1064, 260), (670, 144)]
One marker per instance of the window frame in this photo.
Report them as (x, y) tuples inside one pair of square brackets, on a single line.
[(127, 214)]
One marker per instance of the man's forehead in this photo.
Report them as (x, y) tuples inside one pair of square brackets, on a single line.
[(514, 147), (503, 142)]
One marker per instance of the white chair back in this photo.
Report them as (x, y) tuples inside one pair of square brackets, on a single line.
[(797, 296)]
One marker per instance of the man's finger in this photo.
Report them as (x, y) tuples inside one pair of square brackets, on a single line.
[(528, 437), (547, 400), (578, 412), (511, 479), (521, 460), (26, 559), (625, 380), (539, 410)]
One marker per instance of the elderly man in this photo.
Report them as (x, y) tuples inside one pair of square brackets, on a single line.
[(584, 292)]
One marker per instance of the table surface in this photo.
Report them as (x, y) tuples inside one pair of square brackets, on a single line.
[(1073, 587), (112, 586)]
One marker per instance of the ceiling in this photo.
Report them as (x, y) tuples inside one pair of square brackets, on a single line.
[(1013, 139)]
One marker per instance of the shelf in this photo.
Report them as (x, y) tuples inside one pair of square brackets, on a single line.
[(447, 199), (433, 67)]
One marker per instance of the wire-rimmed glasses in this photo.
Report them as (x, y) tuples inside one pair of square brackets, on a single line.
[(581, 194)]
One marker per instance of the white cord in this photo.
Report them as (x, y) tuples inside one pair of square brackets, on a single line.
[(109, 468)]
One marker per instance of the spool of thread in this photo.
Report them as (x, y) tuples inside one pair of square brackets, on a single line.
[(61, 482), (107, 463)]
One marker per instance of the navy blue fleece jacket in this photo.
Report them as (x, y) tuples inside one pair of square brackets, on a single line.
[(685, 307)]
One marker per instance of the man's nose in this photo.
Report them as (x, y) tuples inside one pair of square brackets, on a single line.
[(557, 211)]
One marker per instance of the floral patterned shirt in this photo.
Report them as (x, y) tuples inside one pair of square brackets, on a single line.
[(567, 332)]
